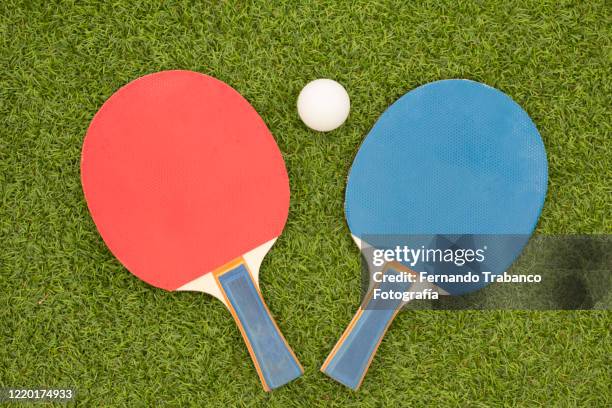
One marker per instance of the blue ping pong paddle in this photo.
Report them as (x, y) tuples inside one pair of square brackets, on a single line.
[(450, 162)]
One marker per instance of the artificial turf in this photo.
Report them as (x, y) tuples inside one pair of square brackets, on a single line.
[(71, 315)]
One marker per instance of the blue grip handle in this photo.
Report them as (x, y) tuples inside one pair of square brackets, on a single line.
[(348, 362), (274, 360)]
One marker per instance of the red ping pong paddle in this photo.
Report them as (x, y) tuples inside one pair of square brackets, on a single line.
[(189, 190)]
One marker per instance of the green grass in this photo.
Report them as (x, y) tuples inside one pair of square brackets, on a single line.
[(71, 315)]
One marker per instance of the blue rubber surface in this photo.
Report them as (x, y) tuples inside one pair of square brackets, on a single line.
[(275, 360), (450, 158)]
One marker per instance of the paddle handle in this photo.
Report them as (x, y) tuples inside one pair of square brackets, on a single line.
[(350, 358), (274, 360), (352, 355)]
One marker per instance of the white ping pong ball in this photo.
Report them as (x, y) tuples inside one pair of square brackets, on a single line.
[(323, 105)]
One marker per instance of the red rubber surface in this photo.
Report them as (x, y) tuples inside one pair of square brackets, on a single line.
[(181, 176)]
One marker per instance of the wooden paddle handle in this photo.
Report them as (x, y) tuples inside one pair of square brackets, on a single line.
[(274, 360), (352, 355)]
